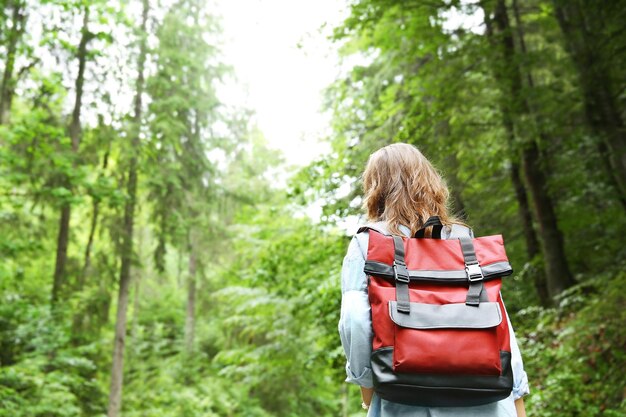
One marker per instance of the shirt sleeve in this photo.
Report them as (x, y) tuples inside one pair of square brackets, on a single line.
[(355, 323), (520, 379)]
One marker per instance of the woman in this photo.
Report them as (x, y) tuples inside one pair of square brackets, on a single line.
[(401, 190)]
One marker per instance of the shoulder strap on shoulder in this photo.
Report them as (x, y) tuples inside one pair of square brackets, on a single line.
[(377, 227), (453, 231)]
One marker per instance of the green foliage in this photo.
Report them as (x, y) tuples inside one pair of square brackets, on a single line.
[(279, 316), (572, 351), (41, 374)]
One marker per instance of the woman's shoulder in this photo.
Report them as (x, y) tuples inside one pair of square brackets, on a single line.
[(456, 230), (360, 241)]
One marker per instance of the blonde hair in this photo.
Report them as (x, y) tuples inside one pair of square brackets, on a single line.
[(401, 187)]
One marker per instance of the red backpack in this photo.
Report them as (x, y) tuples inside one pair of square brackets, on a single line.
[(441, 334)]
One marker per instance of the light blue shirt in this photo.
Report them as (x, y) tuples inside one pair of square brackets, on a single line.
[(355, 329)]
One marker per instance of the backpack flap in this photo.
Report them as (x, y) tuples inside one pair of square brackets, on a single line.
[(438, 261)]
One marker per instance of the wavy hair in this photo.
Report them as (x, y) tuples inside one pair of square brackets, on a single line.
[(401, 187)]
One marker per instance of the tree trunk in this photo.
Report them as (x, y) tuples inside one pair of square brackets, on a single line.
[(558, 275), (7, 88), (92, 232), (190, 320), (530, 236), (117, 371), (602, 113), (74, 131), (61, 254), (80, 315), (136, 303), (525, 214), (541, 283), (95, 213)]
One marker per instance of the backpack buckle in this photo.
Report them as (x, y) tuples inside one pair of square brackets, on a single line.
[(474, 272), (400, 272)]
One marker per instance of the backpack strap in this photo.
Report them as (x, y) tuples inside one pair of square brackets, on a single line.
[(475, 292), (375, 227), (400, 271), (474, 272), (435, 222), (401, 276)]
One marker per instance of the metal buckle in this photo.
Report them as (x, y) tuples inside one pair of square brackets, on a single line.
[(474, 272), (404, 276)]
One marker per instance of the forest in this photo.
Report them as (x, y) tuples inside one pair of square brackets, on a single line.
[(150, 265)]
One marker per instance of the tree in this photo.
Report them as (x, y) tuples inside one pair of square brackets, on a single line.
[(183, 181), (13, 36), (590, 34), (511, 79), (117, 368), (74, 129)]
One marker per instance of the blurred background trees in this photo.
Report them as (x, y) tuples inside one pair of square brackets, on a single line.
[(152, 267)]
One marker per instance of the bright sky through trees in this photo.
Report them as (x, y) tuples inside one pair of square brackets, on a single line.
[(283, 60)]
